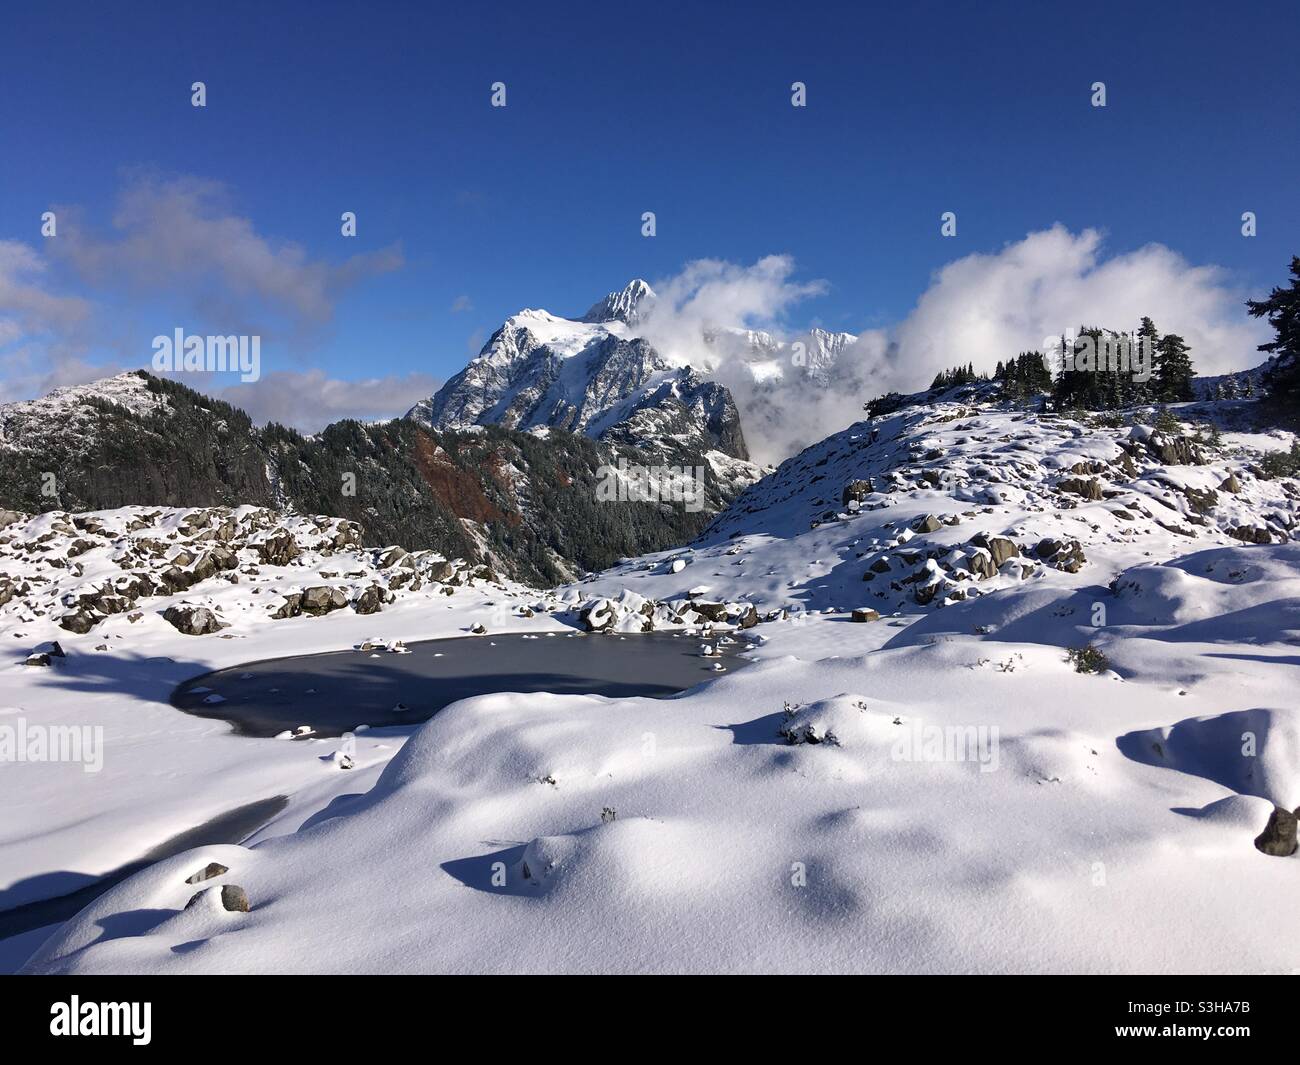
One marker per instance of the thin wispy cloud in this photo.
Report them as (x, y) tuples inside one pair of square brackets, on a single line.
[(183, 237)]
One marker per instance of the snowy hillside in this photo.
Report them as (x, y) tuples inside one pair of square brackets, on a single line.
[(29, 424), (918, 774), (524, 503)]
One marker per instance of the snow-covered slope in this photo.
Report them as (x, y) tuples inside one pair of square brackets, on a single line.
[(904, 511), (25, 425), (944, 788), (590, 376)]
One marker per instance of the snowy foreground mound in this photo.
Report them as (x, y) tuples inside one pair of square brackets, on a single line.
[(946, 803), (941, 788)]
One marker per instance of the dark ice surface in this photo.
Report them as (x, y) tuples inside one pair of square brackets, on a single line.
[(333, 693)]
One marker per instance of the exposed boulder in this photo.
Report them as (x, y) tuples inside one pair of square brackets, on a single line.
[(290, 608), (212, 869), (79, 621), (1000, 548), (370, 600), (1089, 489), (927, 523), (1066, 555), (1279, 835), (278, 549), (231, 897), (863, 613), (598, 615), (192, 620), (856, 492), (321, 599)]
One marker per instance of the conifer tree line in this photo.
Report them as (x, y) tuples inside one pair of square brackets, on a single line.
[(1106, 386), (958, 375), (1109, 387)]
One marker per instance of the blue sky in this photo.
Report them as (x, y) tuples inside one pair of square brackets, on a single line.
[(383, 109)]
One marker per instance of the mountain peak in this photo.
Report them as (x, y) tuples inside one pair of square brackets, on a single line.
[(622, 306)]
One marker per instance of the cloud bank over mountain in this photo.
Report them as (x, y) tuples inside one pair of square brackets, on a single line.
[(978, 309)]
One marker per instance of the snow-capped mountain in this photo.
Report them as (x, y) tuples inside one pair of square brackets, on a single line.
[(624, 306), (589, 375)]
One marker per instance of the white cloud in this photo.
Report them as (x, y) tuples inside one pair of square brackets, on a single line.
[(177, 256), (310, 400), (26, 308), (982, 308), (42, 334), (710, 294), (979, 308), (182, 238)]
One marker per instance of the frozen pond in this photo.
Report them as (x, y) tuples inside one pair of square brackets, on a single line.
[(333, 693)]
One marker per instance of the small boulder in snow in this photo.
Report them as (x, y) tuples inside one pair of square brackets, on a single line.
[(212, 869), (1279, 835), (192, 620), (231, 897), (321, 599)]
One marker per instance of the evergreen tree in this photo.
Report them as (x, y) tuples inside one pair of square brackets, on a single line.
[(1174, 373), (1282, 308), (1148, 332)]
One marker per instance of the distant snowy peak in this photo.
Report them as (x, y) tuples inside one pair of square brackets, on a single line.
[(624, 306), (769, 359), (592, 377)]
